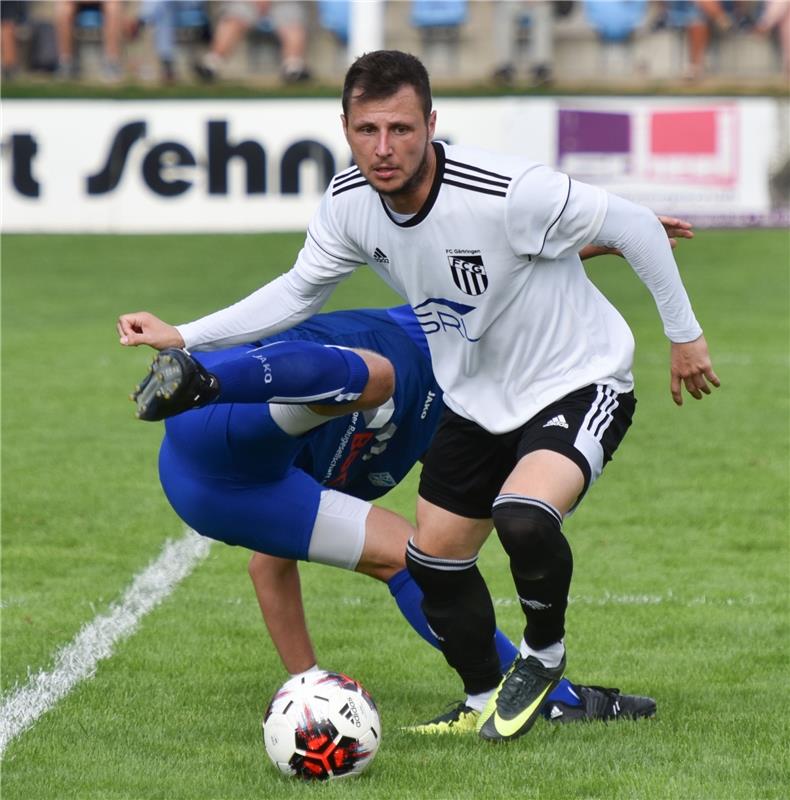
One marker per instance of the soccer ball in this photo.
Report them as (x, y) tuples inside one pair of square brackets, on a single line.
[(321, 726)]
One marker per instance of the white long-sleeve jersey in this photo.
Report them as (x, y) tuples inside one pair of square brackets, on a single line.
[(490, 266)]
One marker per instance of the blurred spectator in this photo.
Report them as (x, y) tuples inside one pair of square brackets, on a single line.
[(12, 15), (536, 16), (703, 18), (439, 24), (615, 23), (112, 11), (238, 18), (165, 18), (776, 15), (335, 16), (615, 20)]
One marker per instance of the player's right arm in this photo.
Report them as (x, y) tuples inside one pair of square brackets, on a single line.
[(326, 258)]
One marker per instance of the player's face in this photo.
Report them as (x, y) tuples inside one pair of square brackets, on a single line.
[(391, 144)]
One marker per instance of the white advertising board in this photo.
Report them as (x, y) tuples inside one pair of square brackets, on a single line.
[(170, 166)]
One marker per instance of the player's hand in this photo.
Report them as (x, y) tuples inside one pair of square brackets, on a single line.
[(676, 228), (690, 364), (593, 250), (141, 327)]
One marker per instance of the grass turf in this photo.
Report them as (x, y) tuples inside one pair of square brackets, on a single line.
[(680, 588)]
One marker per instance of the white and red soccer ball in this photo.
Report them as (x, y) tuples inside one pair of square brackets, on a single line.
[(321, 726)]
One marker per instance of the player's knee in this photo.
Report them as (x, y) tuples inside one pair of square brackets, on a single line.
[(381, 379), (255, 566), (456, 601), (531, 535), (263, 568), (441, 579)]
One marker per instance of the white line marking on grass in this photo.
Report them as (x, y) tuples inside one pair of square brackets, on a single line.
[(609, 599), (670, 598), (76, 661)]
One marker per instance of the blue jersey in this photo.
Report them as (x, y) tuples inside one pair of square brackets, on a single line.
[(231, 473), (366, 454)]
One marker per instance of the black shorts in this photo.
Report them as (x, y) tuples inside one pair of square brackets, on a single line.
[(465, 466)]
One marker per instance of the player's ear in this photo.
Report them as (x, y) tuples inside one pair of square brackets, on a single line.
[(431, 125), (344, 123)]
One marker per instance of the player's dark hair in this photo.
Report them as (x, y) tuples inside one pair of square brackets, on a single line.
[(380, 74)]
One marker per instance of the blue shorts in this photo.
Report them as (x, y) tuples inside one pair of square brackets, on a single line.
[(232, 474)]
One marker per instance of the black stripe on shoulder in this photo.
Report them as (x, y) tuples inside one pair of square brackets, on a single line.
[(478, 169), (564, 206), (349, 186), (474, 188), (339, 180), (475, 178), (331, 255), (347, 171)]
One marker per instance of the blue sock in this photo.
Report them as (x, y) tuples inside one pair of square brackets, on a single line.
[(292, 372), (563, 692), (408, 596)]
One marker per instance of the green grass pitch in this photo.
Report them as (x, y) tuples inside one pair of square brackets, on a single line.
[(681, 556)]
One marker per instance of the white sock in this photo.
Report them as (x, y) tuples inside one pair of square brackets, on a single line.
[(314, 668), (213, 61), (295, 419), (549, 656), (478, 701)]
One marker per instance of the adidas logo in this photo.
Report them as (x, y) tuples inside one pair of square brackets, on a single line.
[(380, 257), (349, 711), (555, 712), (558, 422)]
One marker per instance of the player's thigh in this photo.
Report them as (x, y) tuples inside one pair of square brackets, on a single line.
[(563, 449), (549, 476), (384, 550), (463, 470), (274, 517), (462, 473), (233, 440), (445, 534)]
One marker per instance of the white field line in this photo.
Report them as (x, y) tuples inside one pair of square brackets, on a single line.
[(76, 661), (608, 599)]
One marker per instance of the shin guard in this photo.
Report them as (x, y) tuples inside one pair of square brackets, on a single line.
[(459, 610)]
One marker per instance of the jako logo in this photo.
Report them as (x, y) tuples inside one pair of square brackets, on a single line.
[(267, 367), (437, 320), (429, 398), (166, 165)]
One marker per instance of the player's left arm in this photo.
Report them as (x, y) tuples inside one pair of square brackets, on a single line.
[(636, 232), (279, 593), (674, 227)]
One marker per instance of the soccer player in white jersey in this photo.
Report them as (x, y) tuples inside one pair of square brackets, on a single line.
[(534, 362)]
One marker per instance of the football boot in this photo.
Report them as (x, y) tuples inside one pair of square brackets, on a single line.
[(516, 704), (175, 382), (587, 703), (459, 719)]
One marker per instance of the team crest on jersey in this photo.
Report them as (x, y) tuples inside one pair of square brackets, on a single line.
[(468, 271)]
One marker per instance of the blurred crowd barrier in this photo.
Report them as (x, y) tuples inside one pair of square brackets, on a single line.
[(463, 42)]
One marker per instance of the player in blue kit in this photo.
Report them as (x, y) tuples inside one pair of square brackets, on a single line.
[(289, 440)]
